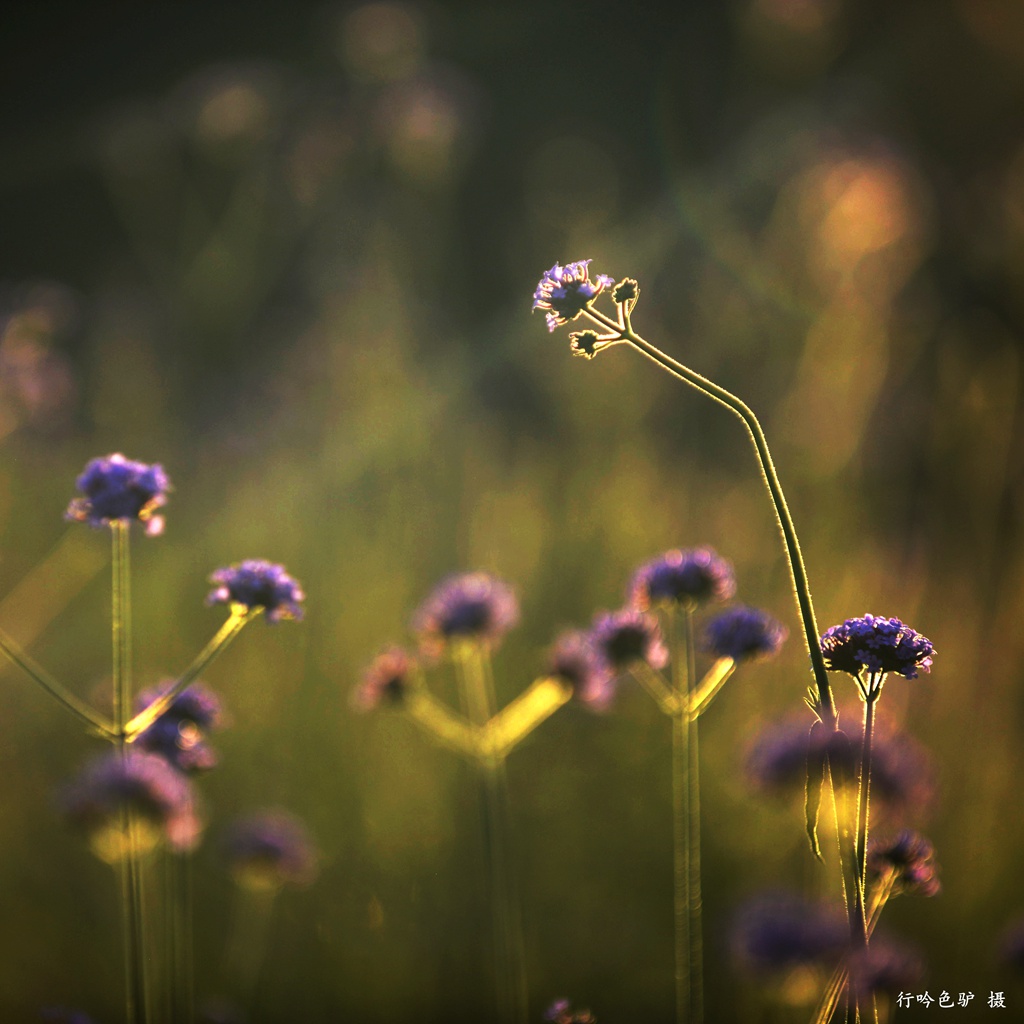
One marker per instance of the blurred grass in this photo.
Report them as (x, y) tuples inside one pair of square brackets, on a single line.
[(309, 301)]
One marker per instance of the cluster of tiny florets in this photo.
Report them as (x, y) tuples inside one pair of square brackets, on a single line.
[(628, 637), (875, 644), (564, 292), (744, 634), (258, 584), (910, 858), (179, 734), (469, 606), (268, 849), (386, 680), (117, 489), (779, 931), (576, 659), (688, 578)]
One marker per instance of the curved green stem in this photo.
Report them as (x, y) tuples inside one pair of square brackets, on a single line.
[(826, 704)]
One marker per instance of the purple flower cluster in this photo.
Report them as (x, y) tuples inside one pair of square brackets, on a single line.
[(884, 967), (875, 644), (690, 578), (627, 637), (910, 858), (143, 783), (777, 932), (117, 489), (179, 734), (258, 584), (575, 659), (566, 291), (386, 681), (902, 775), (561, 1012), (470, 606), (744, 634), (270, 848)]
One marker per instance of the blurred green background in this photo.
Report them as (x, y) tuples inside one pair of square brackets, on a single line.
[(289, 252)]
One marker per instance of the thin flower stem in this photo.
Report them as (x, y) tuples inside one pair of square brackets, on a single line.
[(477, 685), (240, 616), (93, 719), (863, 800), (132, 920), (826, 704), (681, 820)]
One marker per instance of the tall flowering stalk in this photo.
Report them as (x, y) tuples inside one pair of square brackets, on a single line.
[(464, 619), (676, 585), (138, 800), (565, 293)]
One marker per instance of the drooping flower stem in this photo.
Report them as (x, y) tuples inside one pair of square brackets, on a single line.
[(473, 663), (624, 331), (132, 919)]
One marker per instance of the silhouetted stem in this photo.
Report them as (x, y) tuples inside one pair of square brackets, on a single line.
[(509, 954), (805, 606), (132, 923)]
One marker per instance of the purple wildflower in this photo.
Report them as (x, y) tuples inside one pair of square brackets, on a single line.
[(117, 489), (902, 775), (884, 967), (575, 659), (910, 858), (744, 634), (1011, 946), (561, 1012), (145, 783), (565, 291), (777, 932), (258, 584), (270, 848), (469, 606), (877, 645), (628, 636), (691, 578), (179, 733), (386, 681)]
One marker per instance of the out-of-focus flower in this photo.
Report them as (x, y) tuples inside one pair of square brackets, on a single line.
[(386, 681), (565, 291), (561, 1012), (62, 1015), (575, 659), (780, 931), (876, 644), (118, 489), (179, 733), (692, 577), (470, 606), (884, 967), (910, 858), (628, 636), (258, 584), (270, 848), (1011, 946), (159, 798), (902, 775), (744, 634)]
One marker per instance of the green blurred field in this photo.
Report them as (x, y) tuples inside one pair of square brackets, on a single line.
[(290, 256)]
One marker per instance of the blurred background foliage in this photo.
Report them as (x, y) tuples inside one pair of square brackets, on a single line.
[(289, 253)]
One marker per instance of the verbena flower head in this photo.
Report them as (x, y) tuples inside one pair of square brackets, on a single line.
[(779, 931), (269, 849), (473, 606), (117, 489), (692, 577), (628, 636), (565, 291), (160, 797), (902, 775), (910, 858), (258, 584), (884, 967), (561, 1012), (387, 680), (179, 734), (876, 644), (744, 634), (575, 659)]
